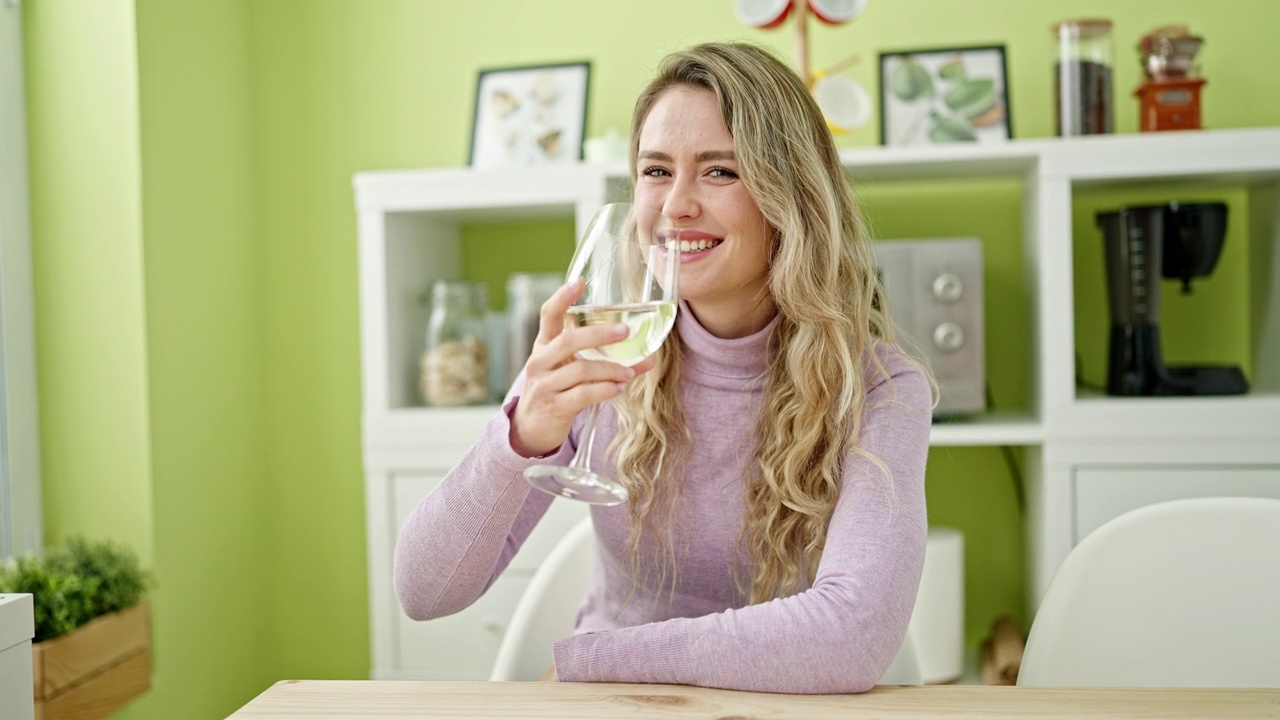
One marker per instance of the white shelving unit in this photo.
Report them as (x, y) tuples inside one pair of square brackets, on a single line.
[(1088, 458)]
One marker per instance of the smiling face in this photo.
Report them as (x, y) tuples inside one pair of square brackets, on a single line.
[(686, 168)]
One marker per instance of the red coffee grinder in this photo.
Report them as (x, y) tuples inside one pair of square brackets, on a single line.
[(1170, 95)]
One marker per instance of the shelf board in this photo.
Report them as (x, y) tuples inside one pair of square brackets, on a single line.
[(1250, 155), (1246, 155), (1225, 417), (469, 193), (1013, 159), (1002, 427), (1239, 155)]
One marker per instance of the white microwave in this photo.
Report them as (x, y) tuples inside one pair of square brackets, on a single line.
[(933, 288)]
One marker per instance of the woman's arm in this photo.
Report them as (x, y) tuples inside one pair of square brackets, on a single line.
[(464, 533), (841, 634)]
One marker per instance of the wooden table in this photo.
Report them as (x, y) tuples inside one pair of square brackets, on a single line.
[(421, 700)]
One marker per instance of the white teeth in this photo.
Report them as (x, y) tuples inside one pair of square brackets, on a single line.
[(697, 245)]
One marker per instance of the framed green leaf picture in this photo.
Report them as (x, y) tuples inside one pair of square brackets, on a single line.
[(931, 97)]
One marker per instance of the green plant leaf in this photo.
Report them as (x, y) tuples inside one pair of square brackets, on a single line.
[(952, 70), (950, 129), (910, 81), (971, 97)]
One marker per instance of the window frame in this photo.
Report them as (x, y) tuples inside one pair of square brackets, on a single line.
[(21, 514)]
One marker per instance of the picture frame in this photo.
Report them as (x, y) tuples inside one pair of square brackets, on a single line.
[(944, 95), (532, 115)]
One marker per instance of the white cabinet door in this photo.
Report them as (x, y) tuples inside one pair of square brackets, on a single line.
[(463, 646), (1103, 493)]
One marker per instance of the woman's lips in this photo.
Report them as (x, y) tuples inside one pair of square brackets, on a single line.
[(691, 234)]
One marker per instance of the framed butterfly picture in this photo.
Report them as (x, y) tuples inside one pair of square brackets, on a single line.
[(530, 115)]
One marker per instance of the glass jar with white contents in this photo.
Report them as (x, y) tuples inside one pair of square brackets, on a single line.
[(454, 367)]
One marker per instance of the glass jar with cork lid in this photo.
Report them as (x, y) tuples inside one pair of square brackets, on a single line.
[(454, 367)]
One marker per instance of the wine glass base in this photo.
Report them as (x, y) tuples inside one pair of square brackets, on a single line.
[(576, 484)]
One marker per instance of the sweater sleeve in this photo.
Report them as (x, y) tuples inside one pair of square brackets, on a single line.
[(462, 535), (838, 636)]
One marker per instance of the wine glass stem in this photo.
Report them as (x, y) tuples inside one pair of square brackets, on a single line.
[(582, 458)]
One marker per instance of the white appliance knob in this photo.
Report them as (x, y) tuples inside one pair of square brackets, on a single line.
[(948, 337), (948, 288)]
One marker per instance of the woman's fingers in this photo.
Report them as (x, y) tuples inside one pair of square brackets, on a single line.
[(552, 398), (559, 383), (564, 347), (582, 372), (575, 340), (579, 397), (644, 365), (551, 315), (555, 346)]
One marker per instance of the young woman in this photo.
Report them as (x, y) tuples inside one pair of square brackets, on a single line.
[(774, 448)]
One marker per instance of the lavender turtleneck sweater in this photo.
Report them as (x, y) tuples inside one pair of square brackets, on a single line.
[(836, 636)]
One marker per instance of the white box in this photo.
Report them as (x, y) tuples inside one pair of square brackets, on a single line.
[(17, 627)]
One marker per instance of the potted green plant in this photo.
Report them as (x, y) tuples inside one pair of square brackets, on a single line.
[(91, 653)]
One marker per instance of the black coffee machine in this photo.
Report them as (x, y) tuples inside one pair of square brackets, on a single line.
[(1142, 245)]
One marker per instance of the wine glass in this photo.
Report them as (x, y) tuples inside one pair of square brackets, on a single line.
[(629, 259)]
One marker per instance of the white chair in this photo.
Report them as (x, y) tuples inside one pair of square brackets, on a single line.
[(548, 608), (547, 611), (1183, 593)]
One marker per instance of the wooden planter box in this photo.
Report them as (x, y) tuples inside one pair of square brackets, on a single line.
[(94, 670)]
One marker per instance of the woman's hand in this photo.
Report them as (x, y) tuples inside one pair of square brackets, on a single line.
[(558, 384)]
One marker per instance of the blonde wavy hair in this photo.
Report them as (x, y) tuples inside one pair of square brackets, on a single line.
[(824, 284)]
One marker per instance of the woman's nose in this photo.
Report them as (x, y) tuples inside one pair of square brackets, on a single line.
[(681, 201)]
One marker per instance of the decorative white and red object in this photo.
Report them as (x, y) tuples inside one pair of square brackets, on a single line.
[(837, 12), (766, 14), (763, 14), (844, 102)]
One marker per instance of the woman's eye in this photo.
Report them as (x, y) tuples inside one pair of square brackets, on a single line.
[(654, 172), (722, 173)]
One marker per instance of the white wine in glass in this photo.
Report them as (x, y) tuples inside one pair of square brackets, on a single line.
[(629, 260), (649, 322)]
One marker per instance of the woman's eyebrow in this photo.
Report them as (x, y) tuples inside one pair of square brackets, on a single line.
[(703, 156)]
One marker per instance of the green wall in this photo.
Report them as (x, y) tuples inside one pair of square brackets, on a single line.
[(86, 217), (196, 280), (306, 99), (148, 290), (204, 297)]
